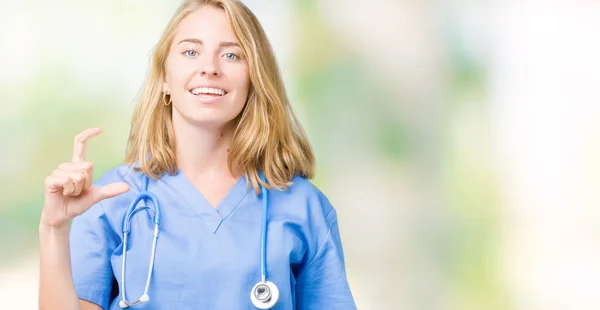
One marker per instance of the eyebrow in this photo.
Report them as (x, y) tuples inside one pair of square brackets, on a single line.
[(197, 41)]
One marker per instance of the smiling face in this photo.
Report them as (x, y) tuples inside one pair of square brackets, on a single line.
[(206, 73)]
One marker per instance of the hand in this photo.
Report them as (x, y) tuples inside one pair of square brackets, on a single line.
[(68, 191)]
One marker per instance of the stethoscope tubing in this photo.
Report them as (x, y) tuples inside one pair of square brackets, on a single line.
[(273, 292)]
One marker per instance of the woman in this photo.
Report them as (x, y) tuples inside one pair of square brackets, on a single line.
[(214, 138)]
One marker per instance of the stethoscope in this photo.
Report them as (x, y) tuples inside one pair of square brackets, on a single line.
[(264, 294)]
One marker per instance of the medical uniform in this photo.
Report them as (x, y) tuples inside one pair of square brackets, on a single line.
[(209, 258)]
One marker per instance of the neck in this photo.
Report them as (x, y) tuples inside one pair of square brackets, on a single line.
[(202, 151)]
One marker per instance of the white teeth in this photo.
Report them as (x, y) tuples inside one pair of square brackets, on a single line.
[(207, 90)]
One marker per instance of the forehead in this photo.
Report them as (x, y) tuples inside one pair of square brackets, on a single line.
[(206, 23)]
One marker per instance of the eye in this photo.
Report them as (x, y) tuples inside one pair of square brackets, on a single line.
[(190, 53), (231, 56)]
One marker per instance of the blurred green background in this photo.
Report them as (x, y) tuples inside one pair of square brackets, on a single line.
[(458, 140)]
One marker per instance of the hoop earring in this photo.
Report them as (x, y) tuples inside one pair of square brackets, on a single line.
[(164, 99)]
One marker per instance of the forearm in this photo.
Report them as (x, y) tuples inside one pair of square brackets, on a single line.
[(57, 290)]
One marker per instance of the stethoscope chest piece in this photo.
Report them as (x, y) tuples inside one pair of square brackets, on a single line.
[(264, 295)]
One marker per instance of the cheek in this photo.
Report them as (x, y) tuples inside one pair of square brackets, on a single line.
[(243, 81), (175, 70)]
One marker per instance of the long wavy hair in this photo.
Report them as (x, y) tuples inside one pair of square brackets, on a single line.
[(268, 137)]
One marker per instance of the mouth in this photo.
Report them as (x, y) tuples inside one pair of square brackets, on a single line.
[(208, 92)]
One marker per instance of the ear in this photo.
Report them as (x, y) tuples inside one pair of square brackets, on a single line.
[(165, 88)]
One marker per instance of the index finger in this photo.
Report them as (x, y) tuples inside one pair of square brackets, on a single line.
[(80, 140)]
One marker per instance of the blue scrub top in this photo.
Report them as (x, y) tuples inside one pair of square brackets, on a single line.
[(209, 258)]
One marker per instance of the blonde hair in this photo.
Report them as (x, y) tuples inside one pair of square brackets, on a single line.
[(268, 136)]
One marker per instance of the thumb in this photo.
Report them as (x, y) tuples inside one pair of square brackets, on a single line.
[(107, 191)]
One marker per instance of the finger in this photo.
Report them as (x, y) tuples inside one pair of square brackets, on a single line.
[(79, 166), (84, 167), (68, 186), (78, 182), (80, 141), (107, 191), (87, 175), (55, 181)]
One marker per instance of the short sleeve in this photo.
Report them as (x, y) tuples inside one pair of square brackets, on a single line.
[(92, 242), (322, 283)]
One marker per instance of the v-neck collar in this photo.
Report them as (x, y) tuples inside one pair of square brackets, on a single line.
[(213, 217)]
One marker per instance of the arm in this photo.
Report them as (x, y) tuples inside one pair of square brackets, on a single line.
[(56, 282), (322, 282), (68, 192), (86, 305)]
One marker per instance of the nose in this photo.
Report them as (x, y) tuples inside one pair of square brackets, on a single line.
[(209, 66)]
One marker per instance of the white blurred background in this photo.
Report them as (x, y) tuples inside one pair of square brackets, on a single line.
[(458, 140)]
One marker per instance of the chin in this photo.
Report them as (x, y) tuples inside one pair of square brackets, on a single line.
[(211, 119), (213, 116)]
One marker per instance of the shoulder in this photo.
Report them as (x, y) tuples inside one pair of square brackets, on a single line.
[(121, 173), (304, 198)]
